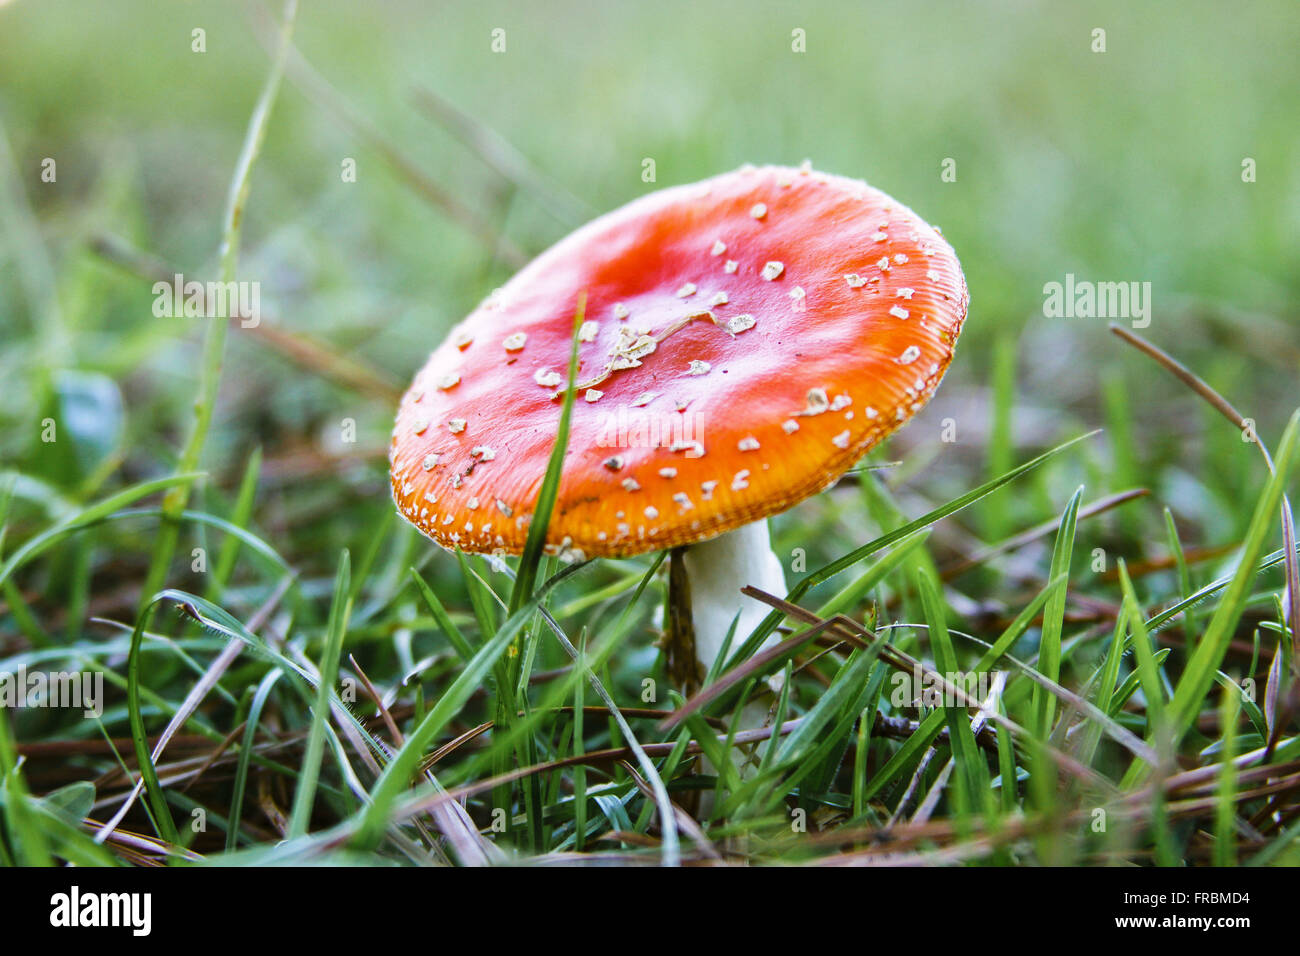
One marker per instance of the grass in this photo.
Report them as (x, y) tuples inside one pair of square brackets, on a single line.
[(293, 675)]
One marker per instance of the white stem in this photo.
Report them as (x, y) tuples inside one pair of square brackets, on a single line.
[(717, 570)]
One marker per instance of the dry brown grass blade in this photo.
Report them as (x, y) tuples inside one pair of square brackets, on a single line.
[(894, 846), (1039, 531), (452, 820), (218, 752), (314, 355), (593, 758), (685, 822), (503, 158), (1153, 565), (453, 834), (455, 744), (303, 350), (101, 746), (274, 815), (591, 710), (309, 81), (742, 671), (393, 730), (112, 785), (144, 850)]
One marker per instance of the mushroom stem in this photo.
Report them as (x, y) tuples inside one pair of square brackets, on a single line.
[(717, 570)]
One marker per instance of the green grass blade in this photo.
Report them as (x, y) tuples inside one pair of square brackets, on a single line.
[(1199, 673), (852, 593), (22, 823), (911, 749), (526, 578), (86, 517), (850, 680), (240, 515), (449, 628), (1049, 647), (1184, 575), (214, 343), (340, 610), (1017, 628), (887, 540), (1107, 676), (1225, 816), (973, 771), (398, 773), (1001, 442), (482, 598), (139, 737), (260, 697), (1144, 654)]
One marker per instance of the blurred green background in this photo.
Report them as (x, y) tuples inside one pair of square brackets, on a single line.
[(1117, 166)]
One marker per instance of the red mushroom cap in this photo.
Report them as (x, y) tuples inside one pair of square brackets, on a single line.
[(747, 339)]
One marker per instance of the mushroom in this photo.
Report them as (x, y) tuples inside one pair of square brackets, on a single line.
[(731, 364)]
